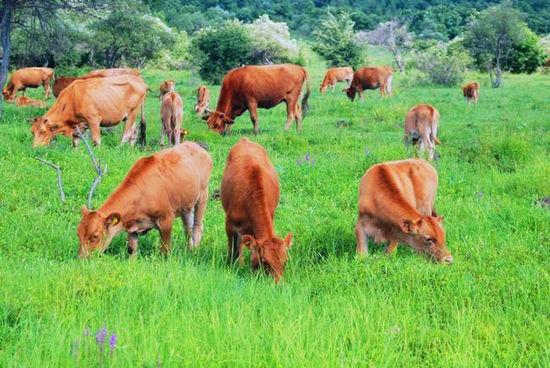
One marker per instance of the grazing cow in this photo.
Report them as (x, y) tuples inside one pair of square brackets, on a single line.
[(167, 86), (252, 87), (250, 195), (371, 78), (335, 75), (421, 124), (28, 78), (396, 204), (61, 83), (171, 114), (157, 189), (113, 72), (203, 100), (91, 103), (23, 101), (471, 92)]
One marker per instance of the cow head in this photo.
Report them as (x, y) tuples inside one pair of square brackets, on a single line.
[(323, 88), (95, 231), (426, 235), (218, 121), (44, 131), (272, 252), (6, 94), (350, 92)]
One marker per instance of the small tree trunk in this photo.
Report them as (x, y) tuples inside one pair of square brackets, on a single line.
[(5, 30), (399, 61)]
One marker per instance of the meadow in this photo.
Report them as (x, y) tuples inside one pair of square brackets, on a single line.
[(332, 309)]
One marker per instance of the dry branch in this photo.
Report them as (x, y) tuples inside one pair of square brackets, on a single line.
[(59, 179)]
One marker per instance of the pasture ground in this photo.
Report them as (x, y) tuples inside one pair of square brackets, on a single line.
[(490, 308)]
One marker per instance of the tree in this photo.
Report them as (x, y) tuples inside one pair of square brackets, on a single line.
[(271, 42), (394, 36), (30, 13), (128, 35), (526, 56), (217, 50), (334, 41), (491, 38)]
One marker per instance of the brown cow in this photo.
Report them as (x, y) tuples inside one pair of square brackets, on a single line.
[(396, 204), (93, 103), (157, 189), (61, 83), (471, 92), (171, 114), (335, 75), (266, 86), (203, 100), (250, 195), (23, 101), (112, 72), (28, 78), (371, 78), (167, 86), (421, 124)]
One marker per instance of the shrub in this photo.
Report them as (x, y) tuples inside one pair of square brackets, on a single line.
[(527, 55), (217, 50), (334, 41), (270, 42), (442, 64)]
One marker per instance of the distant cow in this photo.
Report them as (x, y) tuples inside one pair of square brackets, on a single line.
[(203, 100), (157, 189), (378, 77), (421, 124), (112, 72), (335, 75), (250, 195), (252, 87), (471, 92), (23, 101), (167, 86), (171, 113), (28, 78), (396, 204), (61, 83), (93, 103)]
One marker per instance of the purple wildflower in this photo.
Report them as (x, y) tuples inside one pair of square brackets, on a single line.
[(112, 342), (100, 336)]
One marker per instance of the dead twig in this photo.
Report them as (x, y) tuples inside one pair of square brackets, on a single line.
[(59, 179), (97, 166)]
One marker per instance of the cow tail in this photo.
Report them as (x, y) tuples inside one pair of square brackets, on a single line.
[(142, 137), (305, 106), (435, 123)]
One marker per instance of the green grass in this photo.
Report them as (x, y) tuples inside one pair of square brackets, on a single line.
[(332, 309)]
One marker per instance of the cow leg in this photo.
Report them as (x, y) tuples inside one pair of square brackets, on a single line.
[(132, 244), (165, 229), (253, 110), (46, 85), (94, 125), (391, 247), (361, 238), (162, 131), (290, 107), (187, 219), (130, 133), (298, 116), (233, 245), (254, 260), (200, 209), (361, 96)]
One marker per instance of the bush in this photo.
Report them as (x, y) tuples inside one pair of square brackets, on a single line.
[(527, 55), (442, 64), (217, 50), (334, 41), (270, 42)]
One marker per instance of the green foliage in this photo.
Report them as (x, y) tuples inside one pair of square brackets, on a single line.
[(443, 64), (217, 50), (270, 42), (334, 41), (527, 55)]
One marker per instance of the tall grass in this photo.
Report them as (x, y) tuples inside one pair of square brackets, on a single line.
[(490, 308)]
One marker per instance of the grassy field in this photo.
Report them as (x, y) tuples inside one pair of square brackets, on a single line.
[(490, 308)]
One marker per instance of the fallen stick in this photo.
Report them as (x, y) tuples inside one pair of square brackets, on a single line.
[(97, 166), (59, 179)]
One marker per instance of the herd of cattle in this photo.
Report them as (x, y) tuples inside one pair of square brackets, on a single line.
[(396, 199)]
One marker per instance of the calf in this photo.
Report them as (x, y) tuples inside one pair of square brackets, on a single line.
[(23, 101), (335, 75), (250, 195), (167, 86), (203, 100), (378, 77), (171, 114), (471, 92), (421, 125), (396, 204), (157, 189)]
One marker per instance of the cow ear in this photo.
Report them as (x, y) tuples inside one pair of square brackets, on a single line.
[(440, 219), (248, 241), (84, 210), (410, 226), (112, 219), (288, 240)]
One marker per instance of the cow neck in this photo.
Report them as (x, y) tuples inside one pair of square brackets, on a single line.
[(262, 223), (117, 202)]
